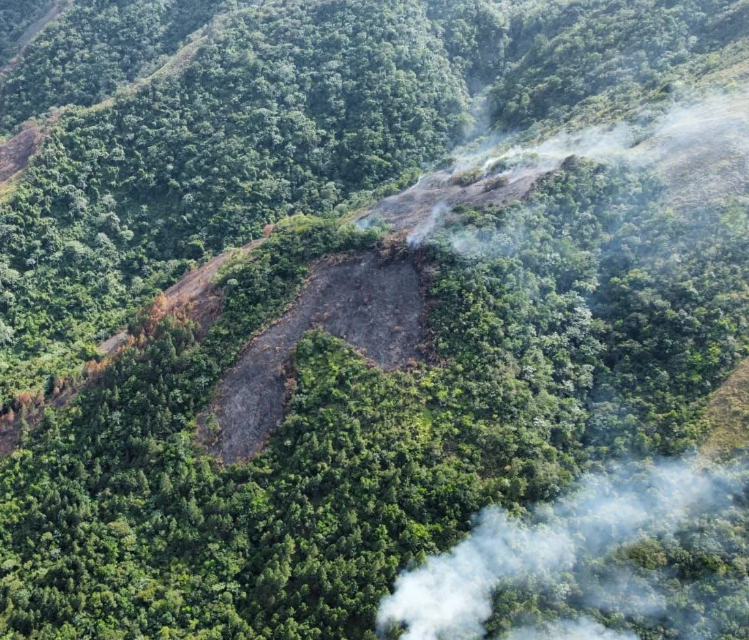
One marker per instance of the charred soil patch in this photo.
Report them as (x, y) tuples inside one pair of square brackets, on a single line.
[(30, 411), (10, 436), (16, 152), (374, 304), (195, 297), (415, 207)]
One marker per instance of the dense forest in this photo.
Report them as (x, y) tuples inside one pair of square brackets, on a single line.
[(577, 329), (123, 197), (18, 19), (586, 50)]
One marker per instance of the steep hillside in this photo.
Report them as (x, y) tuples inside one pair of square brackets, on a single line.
[(729, 415), (123, 196), (97, 46), (477, 371), (20, 22), (603, 54), (373, 304)]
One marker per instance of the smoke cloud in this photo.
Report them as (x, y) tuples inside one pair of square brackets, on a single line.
[(599, 143), (450, 595), (700, 150), (580, 629), (683, 140), (427, 226)]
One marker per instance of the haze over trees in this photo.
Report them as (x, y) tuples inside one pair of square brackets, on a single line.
[(589, 322)]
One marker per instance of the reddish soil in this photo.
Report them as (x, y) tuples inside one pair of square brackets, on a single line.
[(374, 304), (195, 295), (15, 154), (414, 207)]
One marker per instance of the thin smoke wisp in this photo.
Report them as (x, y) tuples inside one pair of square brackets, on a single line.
[(427, 226)]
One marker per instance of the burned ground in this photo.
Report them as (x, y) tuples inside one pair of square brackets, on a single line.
[(30, 411), (372, 303), (414, 207), (16, 152), (195, 295), (10, 435)]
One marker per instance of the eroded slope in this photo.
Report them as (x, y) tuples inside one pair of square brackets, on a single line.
[(195, 294)]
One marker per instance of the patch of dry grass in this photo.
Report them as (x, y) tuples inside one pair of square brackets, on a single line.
[(728, 414)]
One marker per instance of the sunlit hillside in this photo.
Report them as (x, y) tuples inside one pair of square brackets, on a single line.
[(374, 319)]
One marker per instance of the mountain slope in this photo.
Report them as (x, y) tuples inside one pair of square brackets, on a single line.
[(612, 49), (269, 118), (95, 47), (20, 22), (578, 297)]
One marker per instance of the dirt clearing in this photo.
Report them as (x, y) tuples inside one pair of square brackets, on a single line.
[(373, 304), (408, 210), (16, 152), (728, 413), (195, 294)]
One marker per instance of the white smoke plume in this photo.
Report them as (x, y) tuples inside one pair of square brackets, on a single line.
[(450, 595), (580, 629), (700, 152), (622, 590), (601, 143), (427, 226), (687, 135), (702, 147)]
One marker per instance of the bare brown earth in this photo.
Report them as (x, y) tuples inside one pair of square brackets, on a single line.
[(195, 295), (10, 435), (406, 211), (31, 412), (373, 303), (16, 152), (33, 30)]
